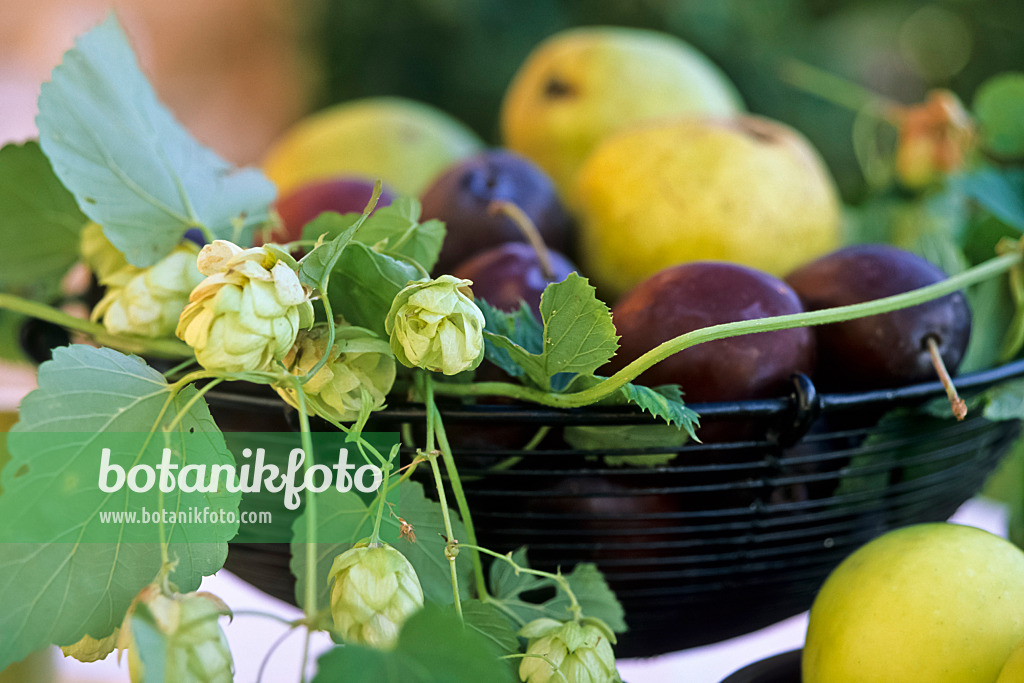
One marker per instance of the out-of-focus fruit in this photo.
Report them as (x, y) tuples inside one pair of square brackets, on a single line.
[(703, 293), (462, 197), (934, 139), (582, 85), (881, 350), (748, 190), (344, 194), (512, 273), (402, 142), (930, 603)]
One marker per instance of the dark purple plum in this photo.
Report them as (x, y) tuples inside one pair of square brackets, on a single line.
[(694, 295), (511, 273), (886, 350), (344, 194), (462, 197)]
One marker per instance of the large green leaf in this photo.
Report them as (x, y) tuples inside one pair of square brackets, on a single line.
[(58, 589), (315, 268), (39, 220), (365, 282), (996, 193), (999, 106), (344, 519), (433, 647), (519, 327), (579, 335), (131, 166), (490, 622), (586, 581), (396, 230)]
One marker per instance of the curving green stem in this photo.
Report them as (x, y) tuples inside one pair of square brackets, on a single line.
[(574, 604), (448, 530), (164, 348), (311, 525), (610, 385), (434, 416), (383, 495)]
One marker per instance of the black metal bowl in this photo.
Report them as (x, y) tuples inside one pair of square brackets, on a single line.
[(782, 668), (728, 536)]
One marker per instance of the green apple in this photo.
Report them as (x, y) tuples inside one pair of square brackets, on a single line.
[(930, 603), (581, 85), (402, 142)]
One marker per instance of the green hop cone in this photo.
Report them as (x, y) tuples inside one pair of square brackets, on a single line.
[(360, 369), (192, 645), (375, 589), (247, 312), (434, 325), (148, 301), (570, 651)]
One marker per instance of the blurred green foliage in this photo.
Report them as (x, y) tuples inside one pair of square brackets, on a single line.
[(460, 54)]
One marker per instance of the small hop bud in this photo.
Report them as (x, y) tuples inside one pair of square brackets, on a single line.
[(360, 368), (148, 301), (434, 325), (375, 590), (570, 651), (247, 312), (195, 647)]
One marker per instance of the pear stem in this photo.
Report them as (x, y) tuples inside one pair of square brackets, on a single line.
[(958, 405), (529, 230)]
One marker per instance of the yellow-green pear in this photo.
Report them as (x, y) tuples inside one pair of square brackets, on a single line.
[(581, 85), (746, 190), (402, 142), (1013, 668), (929, 603)]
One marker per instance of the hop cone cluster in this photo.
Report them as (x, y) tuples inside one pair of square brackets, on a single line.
[(143, 301), (434, 325), (247, 312)]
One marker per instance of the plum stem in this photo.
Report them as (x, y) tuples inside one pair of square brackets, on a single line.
[(956, 403), (529, 230)]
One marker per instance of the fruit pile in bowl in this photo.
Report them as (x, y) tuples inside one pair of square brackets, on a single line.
[(636, 341)]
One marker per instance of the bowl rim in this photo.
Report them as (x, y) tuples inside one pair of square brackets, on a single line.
[(804, 401)]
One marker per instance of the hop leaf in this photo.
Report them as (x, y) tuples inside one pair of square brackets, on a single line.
[(434, 325), (375, 590), (247, 312)]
